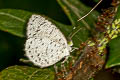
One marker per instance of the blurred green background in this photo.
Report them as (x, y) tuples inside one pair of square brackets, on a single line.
[(12, 47)]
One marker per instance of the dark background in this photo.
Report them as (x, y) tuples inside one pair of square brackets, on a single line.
[(12, 47)]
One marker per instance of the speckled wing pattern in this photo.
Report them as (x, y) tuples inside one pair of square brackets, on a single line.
[(45, 44)]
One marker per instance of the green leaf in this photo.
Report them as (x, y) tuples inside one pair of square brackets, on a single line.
[(114, 53), (26, 73), (74, 9), (14, 21), (114, 50), (118, 13)]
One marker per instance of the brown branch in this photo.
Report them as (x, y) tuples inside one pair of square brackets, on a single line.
[(87, 65)]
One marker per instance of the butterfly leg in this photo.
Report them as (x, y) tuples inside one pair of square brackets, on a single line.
[(25, 61), (64, 70), (65, 60), (56, 69), (74, 48), (58, 74)]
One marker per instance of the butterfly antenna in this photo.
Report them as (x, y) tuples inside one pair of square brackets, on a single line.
[(90, 11), (71, 35)]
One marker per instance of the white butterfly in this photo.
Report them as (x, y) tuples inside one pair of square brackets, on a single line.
[(45, 44)]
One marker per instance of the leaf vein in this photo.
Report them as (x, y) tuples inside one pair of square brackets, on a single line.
[(2, 13)]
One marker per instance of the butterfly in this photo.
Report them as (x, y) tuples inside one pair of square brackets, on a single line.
[(45, 44)]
